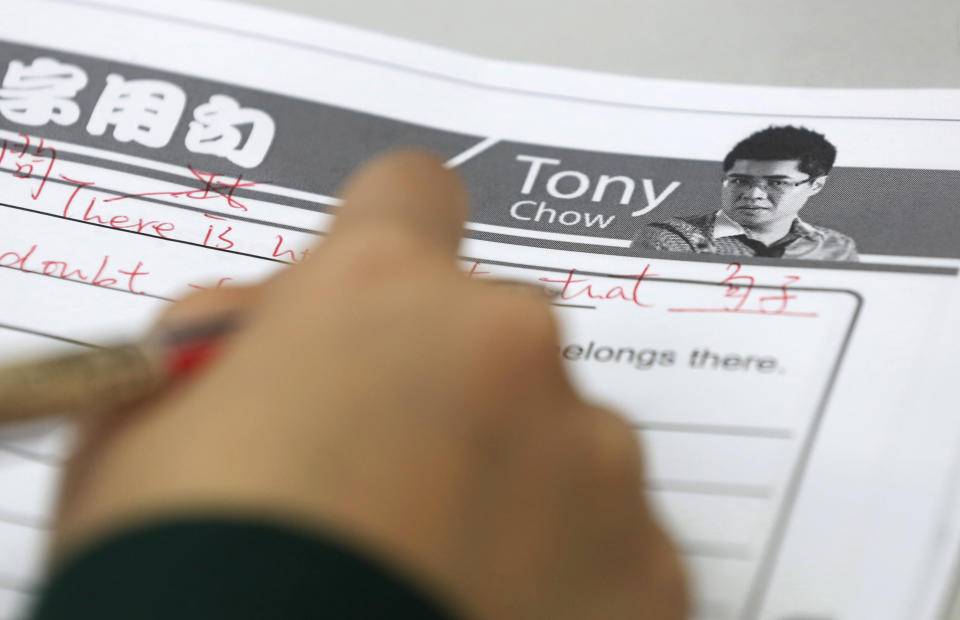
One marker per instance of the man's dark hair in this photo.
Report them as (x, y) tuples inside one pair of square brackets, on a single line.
[(814, 153)]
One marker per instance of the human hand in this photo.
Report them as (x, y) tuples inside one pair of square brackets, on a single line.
[(379, 394)]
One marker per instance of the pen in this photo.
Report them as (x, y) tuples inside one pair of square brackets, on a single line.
[(108, 377)]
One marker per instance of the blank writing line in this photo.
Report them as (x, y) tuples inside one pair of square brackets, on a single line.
[(726, 551), (29, 455), (710, 488), (23, 521), (710, 610), (10, 584), (34, 332), (710, 429)]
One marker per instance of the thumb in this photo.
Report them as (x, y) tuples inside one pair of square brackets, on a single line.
[(95, 432)]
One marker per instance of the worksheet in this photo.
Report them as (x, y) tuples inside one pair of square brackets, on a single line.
[(763, 281)]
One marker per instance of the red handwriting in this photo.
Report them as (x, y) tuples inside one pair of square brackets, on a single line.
[(35, 160), (219, 284), (211, 189), (474, 270), (739, 291), (224, 243), (279, 251), (123, 222), (218, 234), (568, 291), (738, 286), (782, 298), (93, 208), (25, 169), (739, 295), (105, 275)]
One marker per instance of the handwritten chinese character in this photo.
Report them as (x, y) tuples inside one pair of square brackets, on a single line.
[(25, 169), (738, 286), (783, 298), (212, 188), (143, 111), (41, 92), (215, 130)]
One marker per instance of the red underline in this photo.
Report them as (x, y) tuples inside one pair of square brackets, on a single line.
[(765, 312)]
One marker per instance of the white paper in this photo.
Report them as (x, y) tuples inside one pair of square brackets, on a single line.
[(797, 416)]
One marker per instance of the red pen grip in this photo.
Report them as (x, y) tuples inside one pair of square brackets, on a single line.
[(186, 358)]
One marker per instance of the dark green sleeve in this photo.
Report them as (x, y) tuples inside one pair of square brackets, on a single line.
[(213, 570)]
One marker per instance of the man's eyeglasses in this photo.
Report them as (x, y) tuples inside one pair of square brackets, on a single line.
[(767, 185)]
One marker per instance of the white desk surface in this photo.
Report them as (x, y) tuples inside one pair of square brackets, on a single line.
[(840, 43), (833, 43)]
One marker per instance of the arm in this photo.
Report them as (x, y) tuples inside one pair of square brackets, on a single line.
[(221, 568), (379, 396)]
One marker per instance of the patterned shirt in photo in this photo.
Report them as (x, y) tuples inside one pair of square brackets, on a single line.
[(716, 233)]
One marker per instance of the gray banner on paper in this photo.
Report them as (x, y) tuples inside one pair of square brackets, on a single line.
[(886, 211)]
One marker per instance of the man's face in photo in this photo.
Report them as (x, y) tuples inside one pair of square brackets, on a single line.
[(758, 192)]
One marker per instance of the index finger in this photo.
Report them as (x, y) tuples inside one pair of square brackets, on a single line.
[(408, 192)]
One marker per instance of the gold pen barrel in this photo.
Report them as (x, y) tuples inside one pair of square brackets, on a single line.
[(101, 378)]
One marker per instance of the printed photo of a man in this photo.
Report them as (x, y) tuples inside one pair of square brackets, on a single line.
[(767, 179)]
